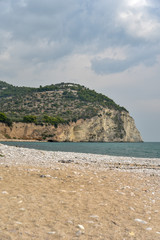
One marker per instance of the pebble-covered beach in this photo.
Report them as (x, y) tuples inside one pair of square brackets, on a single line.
[(15, 156), (59, 195)]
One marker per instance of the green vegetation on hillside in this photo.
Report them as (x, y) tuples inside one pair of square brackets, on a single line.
[(5, 119), (33, 119), (53, 120), (7, 90), (68, 101), (30, 119)]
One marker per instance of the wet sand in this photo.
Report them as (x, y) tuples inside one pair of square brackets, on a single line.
[(48, 195)]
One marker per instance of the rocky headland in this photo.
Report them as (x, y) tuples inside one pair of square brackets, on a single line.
[(63, 112), (105, 127)]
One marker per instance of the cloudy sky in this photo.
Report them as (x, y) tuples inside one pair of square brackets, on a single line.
[(111, 46)]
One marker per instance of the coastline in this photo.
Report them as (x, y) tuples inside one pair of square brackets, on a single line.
[(13, 155), (59, 195), (18, 140)]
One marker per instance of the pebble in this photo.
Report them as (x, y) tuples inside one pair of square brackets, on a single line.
[(66, 161), (90, 222), (132, 208), (42, 176), (148, 229), (4, 192), (78, 233), (52, 232), (81, 227), (70, 222), (45, 176), (18, 222), (94, 216), (22, 209), (131, 233), (140, 221), (122, 193)]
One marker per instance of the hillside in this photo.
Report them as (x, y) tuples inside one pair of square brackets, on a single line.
[(67, 100), (63, 112)]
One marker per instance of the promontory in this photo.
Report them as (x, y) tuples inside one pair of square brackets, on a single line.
[(63, 112)]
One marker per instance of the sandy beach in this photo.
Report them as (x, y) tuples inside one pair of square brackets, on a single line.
[(58, 195)]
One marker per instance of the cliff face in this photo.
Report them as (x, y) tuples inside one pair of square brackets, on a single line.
[(107, 126)]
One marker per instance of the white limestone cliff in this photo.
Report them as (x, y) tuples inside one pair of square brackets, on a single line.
[(107, 126)]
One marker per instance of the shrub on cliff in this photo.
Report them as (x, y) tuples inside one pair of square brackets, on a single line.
[(5, 119), (30, 119), (52, 120)]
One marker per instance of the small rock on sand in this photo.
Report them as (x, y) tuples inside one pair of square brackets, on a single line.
[(140, 221), (81, 226)]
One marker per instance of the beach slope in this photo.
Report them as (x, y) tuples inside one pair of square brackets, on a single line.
[(57, 195)]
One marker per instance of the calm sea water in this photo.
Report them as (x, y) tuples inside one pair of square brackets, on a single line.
[(144, 150)]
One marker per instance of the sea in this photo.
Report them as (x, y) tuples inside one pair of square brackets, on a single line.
[(141, 150)]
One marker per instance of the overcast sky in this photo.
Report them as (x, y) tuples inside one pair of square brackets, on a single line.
[(112, 46)]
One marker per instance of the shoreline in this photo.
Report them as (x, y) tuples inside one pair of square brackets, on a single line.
[(124, 150), (13, 155), (59, 195), (19, 140)]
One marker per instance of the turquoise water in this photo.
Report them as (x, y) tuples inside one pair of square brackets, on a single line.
[(144, 150)]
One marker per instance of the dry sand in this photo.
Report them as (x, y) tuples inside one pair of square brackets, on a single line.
[(47, 195)]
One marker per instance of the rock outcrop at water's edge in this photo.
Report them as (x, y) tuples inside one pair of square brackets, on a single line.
[(108, 126)]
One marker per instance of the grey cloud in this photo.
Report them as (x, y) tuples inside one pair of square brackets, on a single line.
[(108, 66), (73, 26), (143, 54), (49, 52), (77, 21)]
